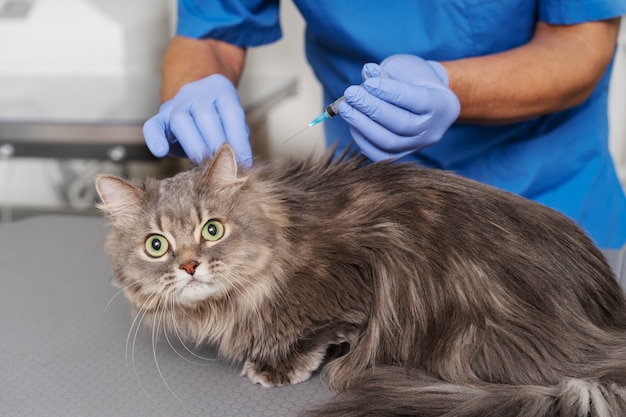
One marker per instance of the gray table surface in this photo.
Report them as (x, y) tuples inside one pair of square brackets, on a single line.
[(68, 346)]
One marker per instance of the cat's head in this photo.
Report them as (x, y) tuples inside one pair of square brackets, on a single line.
[(199, 236)]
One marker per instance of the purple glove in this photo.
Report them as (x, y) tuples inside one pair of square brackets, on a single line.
[(403, 105), (198, 120)]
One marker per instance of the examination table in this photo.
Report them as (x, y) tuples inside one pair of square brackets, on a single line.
[(67, 349)]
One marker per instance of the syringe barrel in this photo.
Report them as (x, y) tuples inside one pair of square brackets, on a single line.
[(333, 108)]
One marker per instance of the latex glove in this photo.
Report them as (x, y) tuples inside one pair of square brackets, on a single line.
[(198, 120), (403, 105)]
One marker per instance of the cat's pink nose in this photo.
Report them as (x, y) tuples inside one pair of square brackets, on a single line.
[(190, 267)]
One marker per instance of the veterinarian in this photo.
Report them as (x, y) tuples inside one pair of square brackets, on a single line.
[(511, 93)]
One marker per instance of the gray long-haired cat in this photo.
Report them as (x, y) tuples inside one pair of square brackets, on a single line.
[(436, 295)]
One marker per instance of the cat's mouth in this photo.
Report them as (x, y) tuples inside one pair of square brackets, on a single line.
[(196, 281), (196, 288)]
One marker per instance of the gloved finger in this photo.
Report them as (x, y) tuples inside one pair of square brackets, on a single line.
[(155, 136), (377, 135), (414, 70), (417, 99), (183, 126), (209, 126), (235, 127), (370, 150), (395, 119), (387, 140), (370, 70)]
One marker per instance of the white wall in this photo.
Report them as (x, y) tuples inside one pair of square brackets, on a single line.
[(75, 40), (84, 37)]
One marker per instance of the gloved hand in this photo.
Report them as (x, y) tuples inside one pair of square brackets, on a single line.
[(198, 120), (403, 105)]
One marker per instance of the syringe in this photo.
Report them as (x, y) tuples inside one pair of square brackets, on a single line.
[(332, 109)]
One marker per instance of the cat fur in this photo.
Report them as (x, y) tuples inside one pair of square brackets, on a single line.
[(440, 296)]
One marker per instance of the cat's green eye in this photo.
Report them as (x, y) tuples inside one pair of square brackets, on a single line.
[(156, 246), (213, 230)]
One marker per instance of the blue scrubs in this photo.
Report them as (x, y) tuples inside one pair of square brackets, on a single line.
[(561, 160)]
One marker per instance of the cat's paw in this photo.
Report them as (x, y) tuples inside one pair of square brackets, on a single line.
[(269, 376)]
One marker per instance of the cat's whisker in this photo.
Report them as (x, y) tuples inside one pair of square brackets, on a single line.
[(111, 299), (248, 281), (178, 335), (245, 292), (136, 324), (171, 300), (121, 291), (133, 328), (177, 330), (159, 321), (183, 310)]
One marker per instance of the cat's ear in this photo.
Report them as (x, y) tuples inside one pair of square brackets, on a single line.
[(119, 198), (223, 168)]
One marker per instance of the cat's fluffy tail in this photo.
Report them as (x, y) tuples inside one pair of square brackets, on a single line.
[(391, 391)]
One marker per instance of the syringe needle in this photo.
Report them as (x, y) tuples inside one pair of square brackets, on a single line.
[(300, 131)]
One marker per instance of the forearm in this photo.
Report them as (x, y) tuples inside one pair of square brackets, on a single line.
[(188, 59), (556, 70)]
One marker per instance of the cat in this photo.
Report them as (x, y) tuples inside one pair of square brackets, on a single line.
[(421, 293)]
